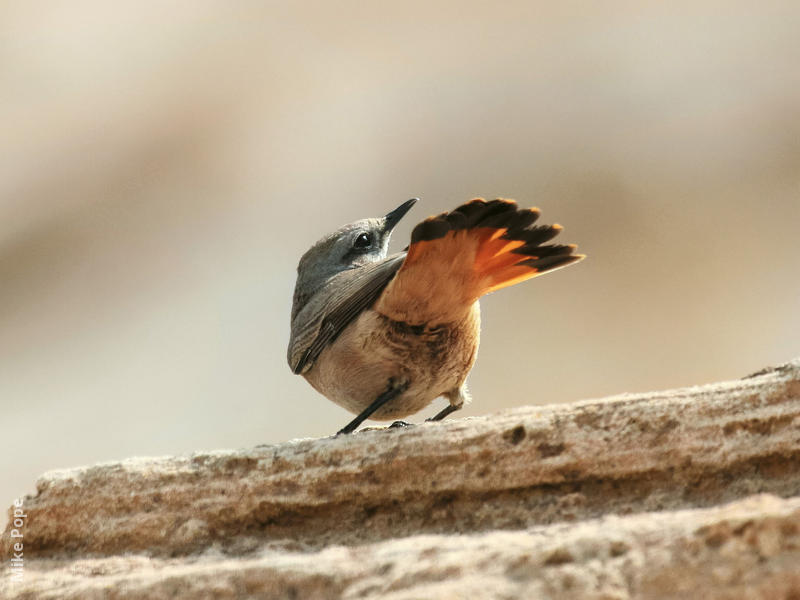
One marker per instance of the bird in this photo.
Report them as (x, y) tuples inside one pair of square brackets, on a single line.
[(383, 335)]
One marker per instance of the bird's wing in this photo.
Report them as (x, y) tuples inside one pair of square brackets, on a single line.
[(334, 307)]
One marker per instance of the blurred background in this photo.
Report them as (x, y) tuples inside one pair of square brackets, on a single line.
[(164, 165)]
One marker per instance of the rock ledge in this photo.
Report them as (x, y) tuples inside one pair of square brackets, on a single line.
[(692, 491)]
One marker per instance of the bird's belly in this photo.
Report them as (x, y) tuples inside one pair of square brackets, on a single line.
[(374, 352)]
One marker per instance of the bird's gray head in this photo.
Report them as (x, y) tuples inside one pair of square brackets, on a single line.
[(354, 245)]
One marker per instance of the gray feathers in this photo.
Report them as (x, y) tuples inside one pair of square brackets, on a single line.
[(339, 277), (326, 313)]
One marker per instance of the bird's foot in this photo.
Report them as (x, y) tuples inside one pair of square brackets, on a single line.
[(393, 389)]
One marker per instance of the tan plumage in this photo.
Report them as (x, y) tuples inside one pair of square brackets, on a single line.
[(415, 335)]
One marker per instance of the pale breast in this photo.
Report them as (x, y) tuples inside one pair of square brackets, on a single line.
[(374, 350)]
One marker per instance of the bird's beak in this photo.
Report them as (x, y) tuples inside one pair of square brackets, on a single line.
[(393, 218)]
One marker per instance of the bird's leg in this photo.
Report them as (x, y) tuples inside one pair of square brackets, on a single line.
[(457, 398), (450, 408), (392, 391)]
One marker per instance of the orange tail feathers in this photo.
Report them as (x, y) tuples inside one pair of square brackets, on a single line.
[(456, 257)]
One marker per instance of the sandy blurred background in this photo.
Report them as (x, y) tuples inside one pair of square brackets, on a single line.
[(163, 167)]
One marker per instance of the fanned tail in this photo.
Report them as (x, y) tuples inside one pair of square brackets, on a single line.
[(456, 257)]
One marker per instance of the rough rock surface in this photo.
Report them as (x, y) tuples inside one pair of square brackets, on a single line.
[(685, 493)]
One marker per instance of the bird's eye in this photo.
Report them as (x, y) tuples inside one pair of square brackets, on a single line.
[(363, 240)]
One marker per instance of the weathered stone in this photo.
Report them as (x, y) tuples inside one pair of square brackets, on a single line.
[(615, 498), (748, 549)]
